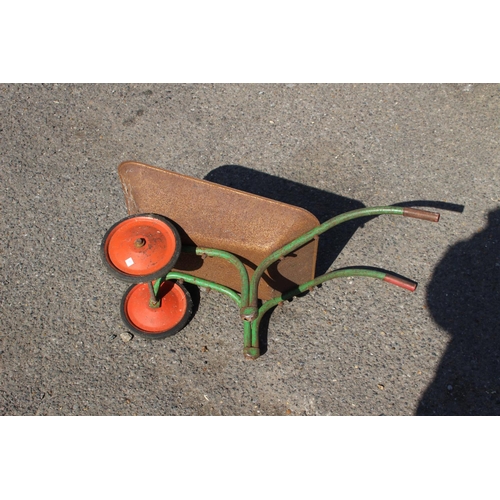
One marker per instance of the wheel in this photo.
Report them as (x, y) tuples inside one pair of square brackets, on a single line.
[(170, 317), (141, 248)]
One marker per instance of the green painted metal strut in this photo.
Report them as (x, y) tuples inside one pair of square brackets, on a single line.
[(241, 300), (174, 275), (211, 252)]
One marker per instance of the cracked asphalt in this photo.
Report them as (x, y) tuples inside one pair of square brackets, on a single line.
[(351, 347)]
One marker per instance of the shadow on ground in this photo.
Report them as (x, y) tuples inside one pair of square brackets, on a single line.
[(464, 298)]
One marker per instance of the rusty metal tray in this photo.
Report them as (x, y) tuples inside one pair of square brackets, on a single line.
[(211, 215)]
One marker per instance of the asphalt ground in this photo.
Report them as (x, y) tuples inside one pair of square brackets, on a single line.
[(352, 347)]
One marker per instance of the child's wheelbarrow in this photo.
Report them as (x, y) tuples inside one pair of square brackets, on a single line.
[(257, 251)]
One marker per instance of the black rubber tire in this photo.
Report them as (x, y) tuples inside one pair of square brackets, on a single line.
[(146, 277), (158, 335)]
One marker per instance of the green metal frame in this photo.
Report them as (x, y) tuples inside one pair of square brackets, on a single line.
[(247, 301)]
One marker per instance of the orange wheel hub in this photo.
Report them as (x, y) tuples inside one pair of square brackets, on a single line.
[(141, 246), (173, 308)]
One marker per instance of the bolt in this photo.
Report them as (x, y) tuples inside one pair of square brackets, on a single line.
[(139, 242)]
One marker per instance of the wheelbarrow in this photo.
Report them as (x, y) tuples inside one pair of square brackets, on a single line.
[(255, 250)]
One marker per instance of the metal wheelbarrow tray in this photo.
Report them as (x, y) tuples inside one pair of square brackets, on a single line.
[(258, 251)]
